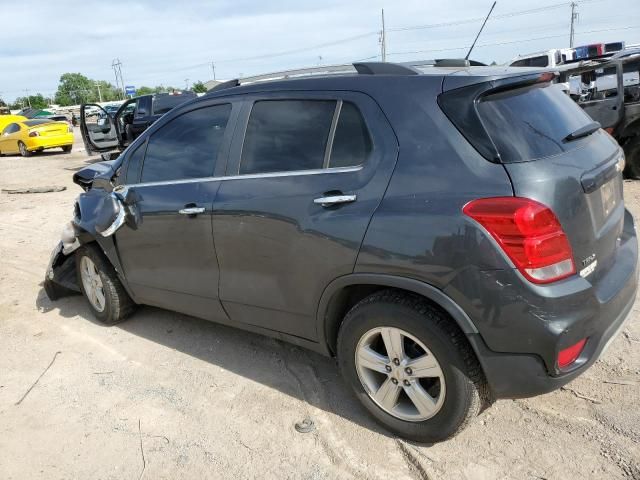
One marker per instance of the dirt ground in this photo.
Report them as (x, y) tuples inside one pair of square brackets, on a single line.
[(164, 395)]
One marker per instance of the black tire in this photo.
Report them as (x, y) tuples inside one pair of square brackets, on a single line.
[(632, 157), (23, 150), (466, 389), (67, 148), (118, 304)]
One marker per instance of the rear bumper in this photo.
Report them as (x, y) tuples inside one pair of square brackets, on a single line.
[(38, 143), (521, 375), (522, 327)]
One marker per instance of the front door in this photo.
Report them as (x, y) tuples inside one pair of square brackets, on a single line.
[(98, 129), (169, 260), (308, 173), (9, 139)]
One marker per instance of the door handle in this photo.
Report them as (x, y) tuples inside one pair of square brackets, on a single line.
[(191, 210), (334, 200)]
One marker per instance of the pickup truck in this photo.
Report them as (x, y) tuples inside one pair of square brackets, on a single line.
[(103, 132), (609, 91)]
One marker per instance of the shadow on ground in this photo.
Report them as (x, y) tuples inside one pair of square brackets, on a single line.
[(292, 370)]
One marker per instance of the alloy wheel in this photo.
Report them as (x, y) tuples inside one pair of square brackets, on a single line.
[(92, 284), (400, 374)]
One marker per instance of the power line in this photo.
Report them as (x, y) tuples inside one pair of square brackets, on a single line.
[(512, 42), (496, 17)]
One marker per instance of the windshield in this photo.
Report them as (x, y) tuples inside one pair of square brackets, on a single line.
[(531, 122)]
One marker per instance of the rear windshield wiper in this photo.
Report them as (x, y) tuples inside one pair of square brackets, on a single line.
[(585, 131)]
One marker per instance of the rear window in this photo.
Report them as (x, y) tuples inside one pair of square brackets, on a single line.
[(531, 122), (33, 123)]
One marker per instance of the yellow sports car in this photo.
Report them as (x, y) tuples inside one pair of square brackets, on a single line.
[(7, 119), (35, 135)]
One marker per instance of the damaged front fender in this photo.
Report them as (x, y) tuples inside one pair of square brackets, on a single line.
[(98, 214)]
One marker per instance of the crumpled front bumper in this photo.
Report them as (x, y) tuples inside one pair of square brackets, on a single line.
[(60, 278)]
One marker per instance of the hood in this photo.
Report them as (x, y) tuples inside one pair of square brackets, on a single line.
[(101, 171)]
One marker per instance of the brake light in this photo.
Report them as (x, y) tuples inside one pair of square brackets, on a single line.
[(570, 354), (529, 233), (34, 134)]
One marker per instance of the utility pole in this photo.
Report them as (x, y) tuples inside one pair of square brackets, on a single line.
[(574, 17), (117, 70), (99, 92), (186, 82), (383, 41), (213, 67), (26, 90)]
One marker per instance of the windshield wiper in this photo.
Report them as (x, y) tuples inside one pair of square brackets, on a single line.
[(585, 131)]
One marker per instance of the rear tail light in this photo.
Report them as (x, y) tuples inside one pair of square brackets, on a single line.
[(34, 134), (570, 354), (529, 233)]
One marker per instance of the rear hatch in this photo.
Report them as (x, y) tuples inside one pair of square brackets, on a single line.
[(555, 154)]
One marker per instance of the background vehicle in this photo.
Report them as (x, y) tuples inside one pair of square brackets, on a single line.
[(609, 91), (35, 135), (452, 234), (105, 131), (549, 58), (7, 119)]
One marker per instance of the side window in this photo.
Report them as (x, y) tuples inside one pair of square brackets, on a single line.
[(133, 169), (352, 142), (286, 135), (187, 146), (11, 128)]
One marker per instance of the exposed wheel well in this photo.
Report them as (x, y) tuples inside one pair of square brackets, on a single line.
[(346, 298)]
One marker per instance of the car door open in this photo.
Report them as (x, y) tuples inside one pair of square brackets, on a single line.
[(98, 129)]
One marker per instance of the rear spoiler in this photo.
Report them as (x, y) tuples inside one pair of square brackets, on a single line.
[(459, 105)]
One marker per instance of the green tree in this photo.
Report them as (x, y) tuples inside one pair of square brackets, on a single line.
[(145, 90), (198, 87), (35, 101), (75, 88)]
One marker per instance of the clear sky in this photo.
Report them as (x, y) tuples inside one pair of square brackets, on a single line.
[(168, 41)]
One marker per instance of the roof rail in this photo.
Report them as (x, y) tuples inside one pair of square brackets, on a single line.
[(362, 68)]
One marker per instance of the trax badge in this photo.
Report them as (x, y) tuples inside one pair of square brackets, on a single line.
[(590, 263)]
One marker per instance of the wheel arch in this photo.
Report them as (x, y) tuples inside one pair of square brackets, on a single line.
[(344, 292)]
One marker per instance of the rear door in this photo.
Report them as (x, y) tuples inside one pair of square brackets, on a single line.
[(169, 260), (308, 171), (579, 178), (98, 129)]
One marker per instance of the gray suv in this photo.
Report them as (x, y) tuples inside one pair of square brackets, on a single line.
[(452, 234)]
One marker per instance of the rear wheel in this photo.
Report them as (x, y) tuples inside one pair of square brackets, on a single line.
[(23, 150), (100, 285), (410, 366), (632, 158), (67, 148)]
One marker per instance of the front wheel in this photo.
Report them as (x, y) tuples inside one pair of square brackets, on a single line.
[(67, 148), (410, 366), (100, 285), (23, 150)]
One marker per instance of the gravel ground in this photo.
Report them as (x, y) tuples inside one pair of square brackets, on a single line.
[(164, 395)]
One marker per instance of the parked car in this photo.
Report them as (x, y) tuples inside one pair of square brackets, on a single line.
[(105, 131), (7, 119), (596, 87), (35, 135), (452, 235)]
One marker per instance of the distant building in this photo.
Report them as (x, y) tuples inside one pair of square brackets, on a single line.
[(212, 83)]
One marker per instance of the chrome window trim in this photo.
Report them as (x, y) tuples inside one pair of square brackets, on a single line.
[(294, 173)]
